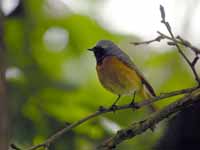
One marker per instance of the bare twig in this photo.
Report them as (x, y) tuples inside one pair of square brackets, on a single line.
[(162, 11), (175, 41), (142, 126), (103, 110), (152, 120), (188, 44), (157, 39), (178, 39), (195, 60), (189, 99)]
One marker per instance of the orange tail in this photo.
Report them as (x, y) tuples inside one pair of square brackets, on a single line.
[(146, 94)]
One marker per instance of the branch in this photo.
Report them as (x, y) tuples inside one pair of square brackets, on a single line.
[(167, 25), (188, 44), (189, 99), (178, 40), (151, 121), (157, 39), (175, 41), (103, 110), (142, 126)]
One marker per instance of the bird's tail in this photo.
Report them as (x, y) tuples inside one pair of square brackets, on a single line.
[(146, 94)]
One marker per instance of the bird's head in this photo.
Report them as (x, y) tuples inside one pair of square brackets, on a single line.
[(104, 48)]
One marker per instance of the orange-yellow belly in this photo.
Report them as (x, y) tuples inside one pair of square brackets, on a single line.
[(118, 78)]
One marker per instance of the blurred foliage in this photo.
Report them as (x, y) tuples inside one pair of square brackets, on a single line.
[(49, 87)]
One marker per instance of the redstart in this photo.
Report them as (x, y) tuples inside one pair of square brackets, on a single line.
[(118, 74)]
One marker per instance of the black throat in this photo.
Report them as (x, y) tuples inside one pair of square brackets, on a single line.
[(100, 54)]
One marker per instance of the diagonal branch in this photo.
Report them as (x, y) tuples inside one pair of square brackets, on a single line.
[(137, 128), (103, 110), (186, 101), (188, 45), (157, 39), (151, 121)]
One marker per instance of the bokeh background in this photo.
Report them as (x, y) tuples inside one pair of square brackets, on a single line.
[(51, 76)]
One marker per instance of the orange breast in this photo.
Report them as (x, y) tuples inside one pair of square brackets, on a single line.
[(117, 77)]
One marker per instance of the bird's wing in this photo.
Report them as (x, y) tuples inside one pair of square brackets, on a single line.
[(126, 59)]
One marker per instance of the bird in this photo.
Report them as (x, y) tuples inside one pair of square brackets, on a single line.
[(118, 74)]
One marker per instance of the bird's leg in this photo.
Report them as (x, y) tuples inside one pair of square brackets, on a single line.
[(133, 99), (116, 100), (133, 104), (114, 106)]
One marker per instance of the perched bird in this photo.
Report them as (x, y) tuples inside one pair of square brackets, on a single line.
[(118, 74)]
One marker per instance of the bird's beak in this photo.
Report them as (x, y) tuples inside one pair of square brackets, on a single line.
[(90, 49)]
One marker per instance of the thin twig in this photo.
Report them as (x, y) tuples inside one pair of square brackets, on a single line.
[(103, 110), (157, 39), (175, 42), (188, 44), (151, 121), (195, 60), (167, 25), (189, 99), (178, 39), (171, 34)]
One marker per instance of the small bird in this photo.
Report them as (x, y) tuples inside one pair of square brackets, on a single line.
[(118, 74)]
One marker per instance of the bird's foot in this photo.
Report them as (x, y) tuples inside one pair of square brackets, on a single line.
[(113, 107), (153, 128), (134, 105), (101, 108)]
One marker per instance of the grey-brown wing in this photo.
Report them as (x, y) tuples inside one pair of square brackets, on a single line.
[(126, 59)]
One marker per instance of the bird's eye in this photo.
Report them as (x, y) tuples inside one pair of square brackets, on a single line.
[(98, 48)]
